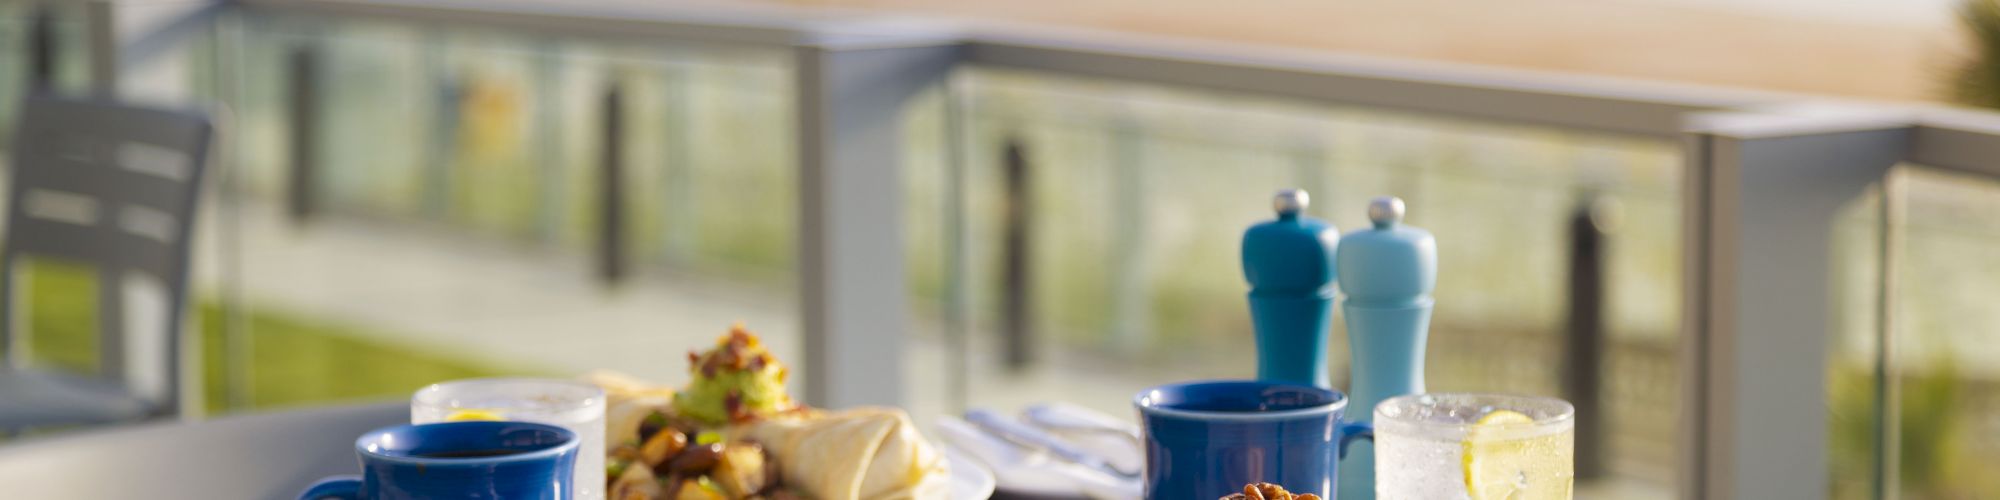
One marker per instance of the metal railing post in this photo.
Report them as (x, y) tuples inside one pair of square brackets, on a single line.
[(1017, 321), (611, 267), (102, 27), (42, 50), (1763, 192), (1888, 439), (853, 296), (304, 80), (1583, 349)]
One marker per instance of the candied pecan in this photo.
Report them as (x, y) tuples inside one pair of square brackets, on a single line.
[(1274, 492), (1267, 491), (733, 404)]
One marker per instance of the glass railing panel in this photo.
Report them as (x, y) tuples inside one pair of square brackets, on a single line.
[(713, 189), (934, 240), (1945, 334), (17, 21), (1114, 243), (1854, 397), (710, 190), (69, 63), (455, 217), (1910, 407)]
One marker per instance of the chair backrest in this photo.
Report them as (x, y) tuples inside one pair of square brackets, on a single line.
[(113, 187)]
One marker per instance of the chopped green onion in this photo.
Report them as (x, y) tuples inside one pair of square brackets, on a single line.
[(707, 437)]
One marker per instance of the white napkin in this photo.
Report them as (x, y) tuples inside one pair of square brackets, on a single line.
[(1020, 471), (1120, 447)]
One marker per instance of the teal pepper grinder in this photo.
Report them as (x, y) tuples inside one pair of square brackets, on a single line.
[(1289, 263), (1387, 273)]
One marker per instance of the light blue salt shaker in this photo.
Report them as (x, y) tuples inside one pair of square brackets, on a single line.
[(1289, 264), (1386, 274)]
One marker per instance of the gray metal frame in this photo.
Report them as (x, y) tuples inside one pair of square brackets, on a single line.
[(1764, 173), (1763, 191), (851, 93)]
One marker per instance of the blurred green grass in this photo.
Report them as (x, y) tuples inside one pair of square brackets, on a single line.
[(294, 361)]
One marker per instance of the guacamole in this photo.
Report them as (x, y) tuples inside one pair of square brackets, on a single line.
[(737, 381)]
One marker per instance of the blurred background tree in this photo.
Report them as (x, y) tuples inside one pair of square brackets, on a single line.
[(1976, 80), (1934, 463)]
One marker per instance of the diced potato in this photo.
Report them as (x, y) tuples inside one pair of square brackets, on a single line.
[(699, 489), (741, 471), (637, 483), (624, 452), (663, 445)]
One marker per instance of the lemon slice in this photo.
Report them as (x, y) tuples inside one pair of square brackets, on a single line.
[(466, 415), (1497, 468)]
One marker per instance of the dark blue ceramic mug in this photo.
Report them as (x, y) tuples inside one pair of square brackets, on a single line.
[(1207, 439), (463, 460)]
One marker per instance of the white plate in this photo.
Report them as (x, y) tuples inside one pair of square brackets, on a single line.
[(969, 479)]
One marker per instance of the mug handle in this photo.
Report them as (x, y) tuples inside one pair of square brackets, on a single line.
[(344, 487), (1353, 430)]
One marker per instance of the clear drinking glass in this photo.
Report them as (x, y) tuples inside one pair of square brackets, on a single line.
[(576, 406), (1474, 446)]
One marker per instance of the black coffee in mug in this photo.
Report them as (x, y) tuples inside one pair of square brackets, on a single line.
[(467, 453)]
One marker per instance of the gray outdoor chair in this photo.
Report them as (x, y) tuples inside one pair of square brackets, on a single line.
[(112, 187)]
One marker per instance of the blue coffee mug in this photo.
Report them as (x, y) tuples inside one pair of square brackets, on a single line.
[(468, 460), (1207, 439)]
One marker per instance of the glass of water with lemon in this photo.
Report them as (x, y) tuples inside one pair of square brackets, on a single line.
[(576, 406), (1474, 446)]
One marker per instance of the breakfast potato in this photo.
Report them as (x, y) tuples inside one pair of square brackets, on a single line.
[(664, 444), (636, 483), (741, 470)]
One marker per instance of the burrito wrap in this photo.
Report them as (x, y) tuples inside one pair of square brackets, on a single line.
[(862, 453), (627, 403)]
